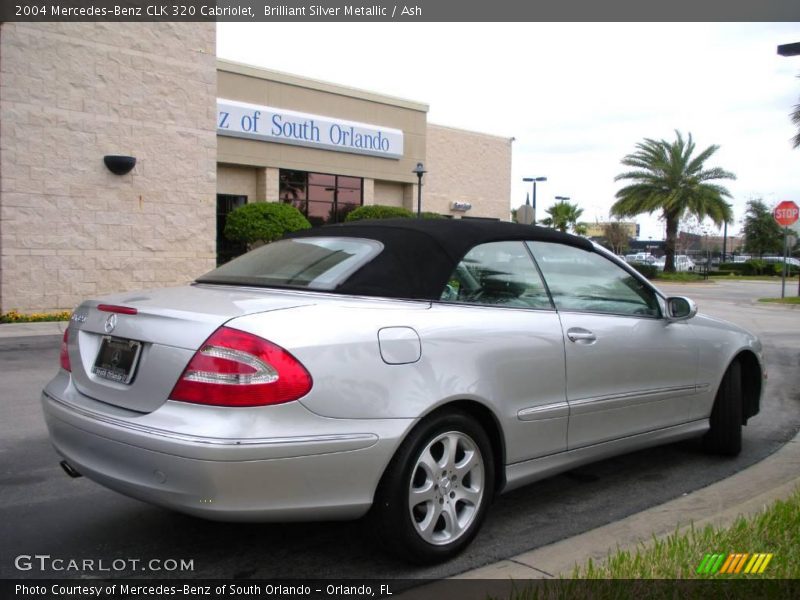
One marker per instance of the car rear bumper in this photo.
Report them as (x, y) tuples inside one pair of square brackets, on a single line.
[(275, 463)]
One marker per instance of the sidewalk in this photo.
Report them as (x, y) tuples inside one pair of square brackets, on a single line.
[(8, 330)]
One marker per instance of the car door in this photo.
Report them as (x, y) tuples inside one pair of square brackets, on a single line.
[(509, 348), (629, 370)]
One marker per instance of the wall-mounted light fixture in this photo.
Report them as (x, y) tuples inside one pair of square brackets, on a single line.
[(119, 165)]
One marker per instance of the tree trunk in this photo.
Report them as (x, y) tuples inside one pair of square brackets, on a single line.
[(672, 239)]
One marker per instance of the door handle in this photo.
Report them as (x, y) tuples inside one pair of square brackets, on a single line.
[(581, 336)]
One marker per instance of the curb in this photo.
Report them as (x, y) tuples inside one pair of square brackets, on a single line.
[(777, 304), (745, 493)]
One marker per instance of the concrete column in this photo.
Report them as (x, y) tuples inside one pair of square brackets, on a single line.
[(268, 184), (369, 191), (261, 185), (410, 197)]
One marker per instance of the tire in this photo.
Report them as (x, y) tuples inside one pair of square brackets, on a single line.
[(436, 491), (725, 435)]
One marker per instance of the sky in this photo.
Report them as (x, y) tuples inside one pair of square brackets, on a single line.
[(577, 97)]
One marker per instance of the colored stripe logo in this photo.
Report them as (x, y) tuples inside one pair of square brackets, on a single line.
[(731, 564)]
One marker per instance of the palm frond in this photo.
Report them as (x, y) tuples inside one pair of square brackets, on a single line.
[(670, 177), (796, 121)]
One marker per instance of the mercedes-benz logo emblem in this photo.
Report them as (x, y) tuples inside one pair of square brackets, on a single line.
[(111, 322)]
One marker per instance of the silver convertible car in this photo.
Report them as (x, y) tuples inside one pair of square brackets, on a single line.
[(409, 369)]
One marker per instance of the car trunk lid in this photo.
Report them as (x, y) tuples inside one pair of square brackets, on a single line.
[(129, 349)]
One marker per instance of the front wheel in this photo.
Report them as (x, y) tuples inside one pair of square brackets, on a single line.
[(434, 495), (725, 435)]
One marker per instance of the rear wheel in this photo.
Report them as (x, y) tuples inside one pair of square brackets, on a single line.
[(434, 495), (725, 435)]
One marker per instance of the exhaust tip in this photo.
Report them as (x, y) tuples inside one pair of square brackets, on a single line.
[(69, 469)]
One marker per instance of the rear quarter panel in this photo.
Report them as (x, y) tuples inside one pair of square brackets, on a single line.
[(505, 359)]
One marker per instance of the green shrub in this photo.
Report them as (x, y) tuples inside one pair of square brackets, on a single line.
[(758, 267), (379, 211), (791, 270), (679, 276), (738, 268), (649, 271), (263, 222)]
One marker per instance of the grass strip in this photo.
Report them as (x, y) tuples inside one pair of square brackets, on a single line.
[(678, 555), (789, 300), (690, 563), (681, 277)]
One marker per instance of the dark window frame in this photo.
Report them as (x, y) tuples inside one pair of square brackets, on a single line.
[(227, 250), (300, 192)]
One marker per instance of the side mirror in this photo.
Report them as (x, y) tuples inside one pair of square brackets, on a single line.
[(680, 308)]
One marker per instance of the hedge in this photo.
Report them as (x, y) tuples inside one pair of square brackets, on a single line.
[(649, 271), (263, 222), (756, 267), (381, 211)]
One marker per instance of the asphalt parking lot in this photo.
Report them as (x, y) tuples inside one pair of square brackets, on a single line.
[(44, 512)]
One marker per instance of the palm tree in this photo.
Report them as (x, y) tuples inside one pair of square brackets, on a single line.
[(563, 215), (668, 178)]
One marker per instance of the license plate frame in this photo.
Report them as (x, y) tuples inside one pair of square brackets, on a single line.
[(117, 359)]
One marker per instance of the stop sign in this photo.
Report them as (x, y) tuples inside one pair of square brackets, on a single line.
[(786, 213)]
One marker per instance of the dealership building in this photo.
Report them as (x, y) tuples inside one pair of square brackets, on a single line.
[(207, 136)]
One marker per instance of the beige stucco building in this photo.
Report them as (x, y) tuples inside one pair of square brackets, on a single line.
[(598, 229), (207, 135)]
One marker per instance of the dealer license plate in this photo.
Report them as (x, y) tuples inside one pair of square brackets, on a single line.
[(117, 359)]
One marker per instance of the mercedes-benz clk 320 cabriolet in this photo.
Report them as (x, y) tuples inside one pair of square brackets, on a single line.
[(412, 369)]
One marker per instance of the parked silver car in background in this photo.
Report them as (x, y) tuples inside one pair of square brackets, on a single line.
[(406, 369), (683, 263)]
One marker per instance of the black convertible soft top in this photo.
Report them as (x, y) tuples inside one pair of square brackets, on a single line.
[(420, 255)]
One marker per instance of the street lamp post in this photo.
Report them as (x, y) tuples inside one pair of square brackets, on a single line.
[(789, 50), (420, 171), (534, 180), (724, 241)]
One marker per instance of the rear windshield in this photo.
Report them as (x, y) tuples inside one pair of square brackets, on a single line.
[(320, 263)]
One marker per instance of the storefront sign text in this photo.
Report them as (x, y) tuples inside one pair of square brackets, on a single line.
[(251, 121)]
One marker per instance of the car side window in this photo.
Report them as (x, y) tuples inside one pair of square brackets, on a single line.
[(580, 280), (497, 274)]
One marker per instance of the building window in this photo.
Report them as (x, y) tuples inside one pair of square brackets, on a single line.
[(321, 197), (226, 249)]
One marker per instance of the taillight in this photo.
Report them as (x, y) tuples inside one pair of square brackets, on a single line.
[(114, 308), (234, 368), (64, 355)]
